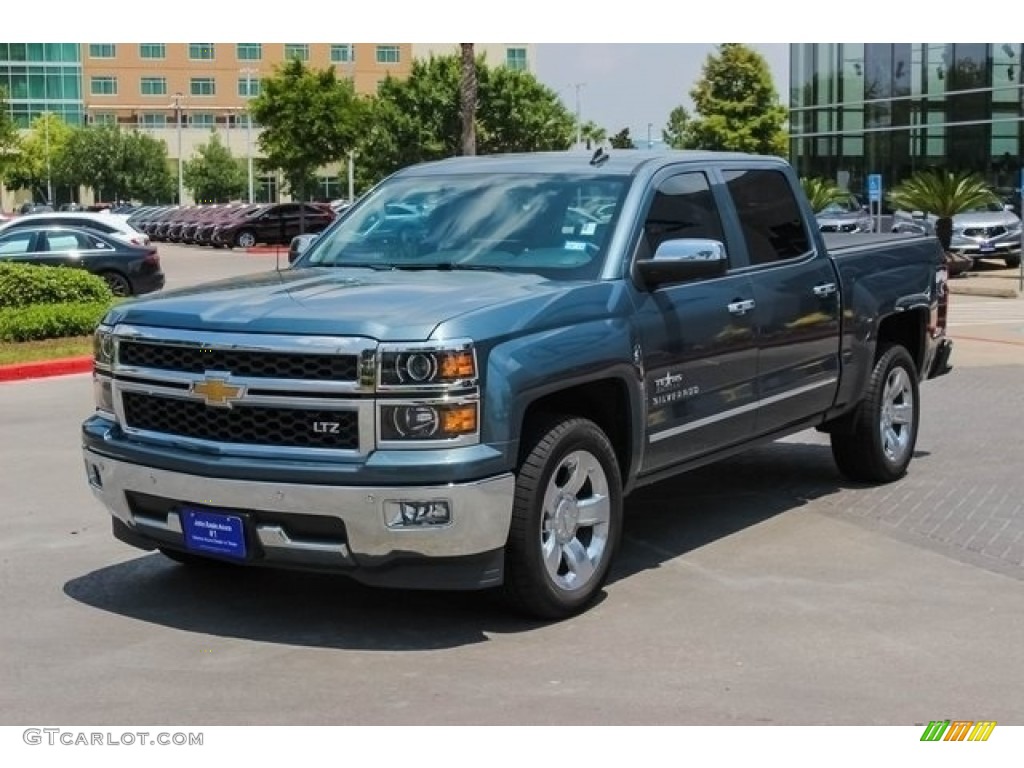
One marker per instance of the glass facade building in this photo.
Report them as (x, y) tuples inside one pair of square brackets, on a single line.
[(42, 77), (893, 109)]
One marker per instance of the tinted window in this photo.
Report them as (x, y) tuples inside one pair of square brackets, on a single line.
[(769, 215), (682, 208), (15, 243), (66, 241)]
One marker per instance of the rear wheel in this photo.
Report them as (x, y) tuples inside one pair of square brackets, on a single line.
[(566, 519), (880, 445), (119, 284)]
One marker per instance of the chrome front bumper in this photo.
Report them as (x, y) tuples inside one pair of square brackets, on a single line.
[(480, 514)]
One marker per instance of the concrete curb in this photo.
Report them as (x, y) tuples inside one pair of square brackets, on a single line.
[(965, 288), (43, 368)]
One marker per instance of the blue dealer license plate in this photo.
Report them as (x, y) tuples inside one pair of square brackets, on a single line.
[(214, 533), (987, 248)]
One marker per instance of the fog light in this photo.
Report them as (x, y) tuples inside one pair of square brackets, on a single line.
[(93, 473), (417, 514)]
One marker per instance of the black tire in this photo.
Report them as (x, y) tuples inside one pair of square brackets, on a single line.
[(245, 238), (554, 565), (119, 284), (1013, 260), (880, 445)]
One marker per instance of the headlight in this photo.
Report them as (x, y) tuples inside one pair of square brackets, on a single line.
[(428, 366), (103, 393), (103, 347), (448, 421)]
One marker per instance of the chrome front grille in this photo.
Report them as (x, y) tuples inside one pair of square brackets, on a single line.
[(246, 425), (246, 394), (239, 362), (984, 231)]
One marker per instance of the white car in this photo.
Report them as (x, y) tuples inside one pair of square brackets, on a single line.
[(113, 224)]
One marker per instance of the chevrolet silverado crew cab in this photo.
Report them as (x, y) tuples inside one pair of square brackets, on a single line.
[(457, 383)]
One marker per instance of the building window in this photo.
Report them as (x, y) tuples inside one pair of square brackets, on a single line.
[(104, 118), (153, 120), (103, 85), (328, 188), (202, 120), (266, 189), (153, 86), (248, 87), (102, 50), (388, 54), (343, 53), (249, 51), (202, 86), (200, 51), (515, 58), (298, 51), (152, 51)]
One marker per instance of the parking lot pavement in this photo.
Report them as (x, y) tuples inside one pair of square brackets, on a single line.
[(186, 265), (762, 590)]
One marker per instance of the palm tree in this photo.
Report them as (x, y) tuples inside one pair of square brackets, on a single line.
[(593, 134), (943, 194), (821, 193), (468, 98)]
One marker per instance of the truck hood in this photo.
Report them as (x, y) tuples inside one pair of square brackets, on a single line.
[(388, 306)]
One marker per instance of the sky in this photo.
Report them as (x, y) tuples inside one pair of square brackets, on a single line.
[(633, 84)]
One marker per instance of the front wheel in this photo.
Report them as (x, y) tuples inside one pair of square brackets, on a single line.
[(879, 446), (566, 519), (1013, 260), (245, 239)]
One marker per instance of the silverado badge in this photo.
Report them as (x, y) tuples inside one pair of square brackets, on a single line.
[(215, 390)]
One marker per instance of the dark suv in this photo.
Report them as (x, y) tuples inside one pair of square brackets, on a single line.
[(275, 224)]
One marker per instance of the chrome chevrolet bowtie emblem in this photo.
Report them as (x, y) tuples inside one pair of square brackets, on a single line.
[(217, 392)]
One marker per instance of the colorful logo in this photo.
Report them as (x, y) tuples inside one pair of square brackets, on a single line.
[(958, 730)]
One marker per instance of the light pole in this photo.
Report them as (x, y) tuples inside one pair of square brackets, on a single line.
[(351, 175), (181, 174), (46, 138), (579, 114), (249, 72)]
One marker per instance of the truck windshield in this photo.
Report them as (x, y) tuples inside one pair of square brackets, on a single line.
[(556, 225)]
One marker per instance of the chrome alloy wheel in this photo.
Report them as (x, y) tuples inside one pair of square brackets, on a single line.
[(574, 521), (896, 422)]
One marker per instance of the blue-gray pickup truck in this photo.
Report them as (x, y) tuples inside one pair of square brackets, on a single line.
[(460, 396)]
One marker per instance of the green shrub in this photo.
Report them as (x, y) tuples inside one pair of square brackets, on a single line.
[(23, 285), (51, 321)]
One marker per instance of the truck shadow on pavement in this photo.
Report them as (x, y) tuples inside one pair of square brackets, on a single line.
[(663, 522)]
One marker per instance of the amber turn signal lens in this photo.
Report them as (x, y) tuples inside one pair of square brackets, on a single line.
[(458, 420), (458, 365)]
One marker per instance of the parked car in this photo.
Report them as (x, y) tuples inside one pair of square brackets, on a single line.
[(128, 269), (204, 231), (988, 231), (111, 224), (34, 208), (847, 215), (275, 224)]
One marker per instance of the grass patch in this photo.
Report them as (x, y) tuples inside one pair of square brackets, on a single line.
[(49, 349)]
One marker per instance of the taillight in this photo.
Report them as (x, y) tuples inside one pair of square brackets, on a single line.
[(152, 259)]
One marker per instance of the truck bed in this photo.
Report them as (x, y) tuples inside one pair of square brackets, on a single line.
[(842, 244)]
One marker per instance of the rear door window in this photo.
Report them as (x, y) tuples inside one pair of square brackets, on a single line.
[(772, 224)]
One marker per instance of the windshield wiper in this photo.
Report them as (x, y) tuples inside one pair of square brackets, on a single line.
[(446, 266)]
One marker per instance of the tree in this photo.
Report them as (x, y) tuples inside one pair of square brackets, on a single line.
[(622, 140), (41, 162), (468, 98), (593, 134), (677, 133), (213, 175), (310, 118), (10, 141), (95, 158), (943, 194), (737, 106), (418, 118), (822, 192)]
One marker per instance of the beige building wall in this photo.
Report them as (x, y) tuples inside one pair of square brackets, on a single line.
[(496, 54)]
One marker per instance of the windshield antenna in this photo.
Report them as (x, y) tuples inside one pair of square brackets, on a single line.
[(600, 157)]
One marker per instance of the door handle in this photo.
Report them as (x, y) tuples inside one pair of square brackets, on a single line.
[(740, 307), (824, 290)]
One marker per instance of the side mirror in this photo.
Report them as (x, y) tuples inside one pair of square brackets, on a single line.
[(676, 261), (299, 245), (1007, 207)]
